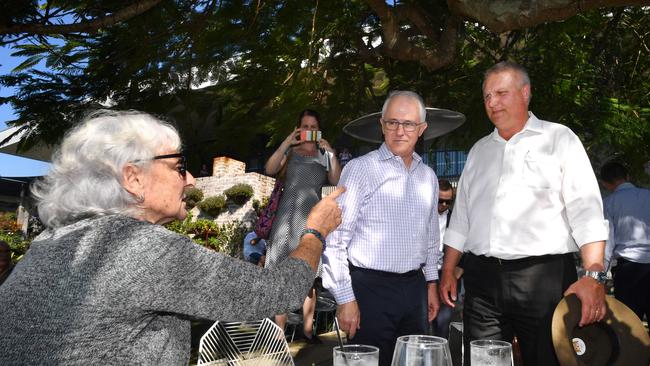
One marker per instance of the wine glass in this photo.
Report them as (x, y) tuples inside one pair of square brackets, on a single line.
[(356, 355), (485, 352), (421, 350)]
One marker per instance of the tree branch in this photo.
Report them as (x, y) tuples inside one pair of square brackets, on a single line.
[(86, 26), (398, 46), (506, 15)]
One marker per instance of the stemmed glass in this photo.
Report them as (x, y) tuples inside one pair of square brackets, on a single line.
[(421, 350), (485, 352)]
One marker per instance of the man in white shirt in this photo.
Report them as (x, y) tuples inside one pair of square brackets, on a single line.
[(445, 201), (381, 263), (526, 201), (628, 211)]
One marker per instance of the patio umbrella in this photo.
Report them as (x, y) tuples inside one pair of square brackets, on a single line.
[(440, 122)]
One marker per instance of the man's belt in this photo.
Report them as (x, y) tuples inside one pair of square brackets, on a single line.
[(524, 260), (412, 273)]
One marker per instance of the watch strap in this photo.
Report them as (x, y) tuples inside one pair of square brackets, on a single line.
[(599, 276)]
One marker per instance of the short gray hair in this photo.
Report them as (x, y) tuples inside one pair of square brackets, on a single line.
[(509, 66), (86, 175), (406, 94)]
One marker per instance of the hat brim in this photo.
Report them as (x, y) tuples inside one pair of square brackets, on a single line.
[(620, 339), (439, 122)]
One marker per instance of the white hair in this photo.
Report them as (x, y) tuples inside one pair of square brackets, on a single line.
[(86, 175), (406, 94)]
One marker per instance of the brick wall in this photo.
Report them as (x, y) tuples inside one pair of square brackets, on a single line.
[(226, 172)]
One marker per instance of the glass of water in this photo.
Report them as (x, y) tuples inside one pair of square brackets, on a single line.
[(485, 352), (421, 350), (356, 355)]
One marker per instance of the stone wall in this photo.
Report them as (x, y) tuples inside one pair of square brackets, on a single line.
[(226, 172)]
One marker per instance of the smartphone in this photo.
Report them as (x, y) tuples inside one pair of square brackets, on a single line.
[(310, 135)]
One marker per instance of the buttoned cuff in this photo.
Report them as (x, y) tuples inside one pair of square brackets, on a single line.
[(592, 231), (430, 273), (343, 295)]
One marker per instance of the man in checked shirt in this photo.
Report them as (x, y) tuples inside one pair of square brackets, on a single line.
[(380, 264)]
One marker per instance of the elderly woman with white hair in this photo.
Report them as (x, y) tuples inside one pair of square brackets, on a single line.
[(105, 283)]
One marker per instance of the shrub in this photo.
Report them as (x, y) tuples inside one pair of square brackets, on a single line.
[(192, 197), (226, 238), (8, 222), (239, 193), (17, 245), (203, 228), (178, 226), (213, 205)]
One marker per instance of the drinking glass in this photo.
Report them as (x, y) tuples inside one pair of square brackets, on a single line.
[(356, 355), (421, 350), (485, 352)]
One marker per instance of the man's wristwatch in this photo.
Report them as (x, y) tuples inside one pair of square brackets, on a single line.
[(601, 277)]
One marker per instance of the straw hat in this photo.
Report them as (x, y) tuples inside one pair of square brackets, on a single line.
[(620, 339)]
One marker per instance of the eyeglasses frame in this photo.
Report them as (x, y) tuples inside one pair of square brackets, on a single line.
[(182, 169), (398, 123)]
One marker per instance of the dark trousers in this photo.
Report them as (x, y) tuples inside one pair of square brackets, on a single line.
[(440, 324), (632, 286), (390, 306), (504, 299)]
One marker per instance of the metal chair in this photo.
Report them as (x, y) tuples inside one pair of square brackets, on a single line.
[(259, 342), (293, 320)]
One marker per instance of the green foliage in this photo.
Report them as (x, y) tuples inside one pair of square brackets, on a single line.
[(10, 233), (203, 228), (8, 222), (320, 54), (179, 226), (17, 244), (226, 238), (257, 206), (239, 193), (213, 205), (192, 197)]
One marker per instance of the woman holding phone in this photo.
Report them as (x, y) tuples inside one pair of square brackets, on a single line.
[(305, 163)]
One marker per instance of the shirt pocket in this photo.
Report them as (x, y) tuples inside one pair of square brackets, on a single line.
[(541, 171)]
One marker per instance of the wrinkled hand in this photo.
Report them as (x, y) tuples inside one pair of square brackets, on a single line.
[(448, 291), (349, 318), (433, 300), (326, 215), (592, 297)]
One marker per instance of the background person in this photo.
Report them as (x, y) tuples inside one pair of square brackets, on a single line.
[(105, 283), (381, 264), (628, 211), (345, 156), (527, 200), (445, 204), (254, 249), (305, 167)]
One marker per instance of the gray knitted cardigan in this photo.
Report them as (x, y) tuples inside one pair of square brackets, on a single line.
[(115, 290)]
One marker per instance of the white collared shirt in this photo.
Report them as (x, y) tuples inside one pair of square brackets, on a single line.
[(390, 221), (534, 194)]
